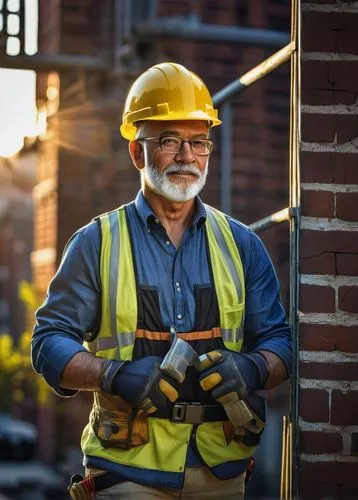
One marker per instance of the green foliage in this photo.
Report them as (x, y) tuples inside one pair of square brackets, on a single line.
[(17, 376)]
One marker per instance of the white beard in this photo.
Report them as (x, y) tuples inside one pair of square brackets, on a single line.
[(161, 184)]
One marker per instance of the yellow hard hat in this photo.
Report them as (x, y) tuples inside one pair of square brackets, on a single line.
[(167, 91)]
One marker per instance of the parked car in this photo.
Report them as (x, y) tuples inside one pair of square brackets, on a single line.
[(17, 438), (22, 477)]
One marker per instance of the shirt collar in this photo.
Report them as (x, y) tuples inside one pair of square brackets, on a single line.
[(147, 214)]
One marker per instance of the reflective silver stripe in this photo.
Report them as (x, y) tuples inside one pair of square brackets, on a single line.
[(113, 273), (102, 344), (123, 339), (232, 334), (126, 338), (225, 251)]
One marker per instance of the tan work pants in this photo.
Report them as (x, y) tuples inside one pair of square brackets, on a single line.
[(199, 484)]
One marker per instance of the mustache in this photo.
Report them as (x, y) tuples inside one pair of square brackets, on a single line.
[(181, 168)]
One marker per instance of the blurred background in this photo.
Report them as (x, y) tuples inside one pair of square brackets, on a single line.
[(65, 69)]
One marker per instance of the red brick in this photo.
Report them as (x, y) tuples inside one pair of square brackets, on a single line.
[(320, 442), (310, 490), (328, 338), (348, 299), (347, 206), (329, 127), (317, 299), (349, 491), (323, 480), (316, 242), (322, 97), (313, 405), (330, 75), (317, 203), (322, 472), (329, 371), (344, 408), (336, 168), (347, 264), (329, 32), (324, 263)]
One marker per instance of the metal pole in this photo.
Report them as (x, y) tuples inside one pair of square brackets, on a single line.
[(55, 62), (255, 74), (226, 158), (283, 215), (182, 28), (294, 249)]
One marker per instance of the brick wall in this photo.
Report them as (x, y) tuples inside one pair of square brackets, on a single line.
[(329, 252), (45, 197)]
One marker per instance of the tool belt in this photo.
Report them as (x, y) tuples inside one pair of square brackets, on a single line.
[(192, 413), (129, 428), (117, 425)]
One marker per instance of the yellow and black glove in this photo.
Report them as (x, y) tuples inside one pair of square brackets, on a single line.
[(231, 378), (224, 372), (140, 383)]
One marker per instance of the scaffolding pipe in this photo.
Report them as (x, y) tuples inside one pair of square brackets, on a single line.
[(182, 28), (226, 158), (255, 74), (271, 220), (55, 62)]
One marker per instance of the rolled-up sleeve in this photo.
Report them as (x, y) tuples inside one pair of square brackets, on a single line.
[(70, 309), (266, 326)]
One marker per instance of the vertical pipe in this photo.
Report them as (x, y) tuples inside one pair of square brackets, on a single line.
[(226, 157), (294, 245)]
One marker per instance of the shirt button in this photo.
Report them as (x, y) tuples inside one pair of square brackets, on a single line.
[(179, 316), (157, 221), (177, 283), (149, 231), (167, 242)]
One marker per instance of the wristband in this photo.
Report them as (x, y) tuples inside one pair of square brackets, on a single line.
[(108, 372), (261, 365)]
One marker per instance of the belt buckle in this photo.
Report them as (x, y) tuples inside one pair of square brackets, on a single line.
[(188, 413)]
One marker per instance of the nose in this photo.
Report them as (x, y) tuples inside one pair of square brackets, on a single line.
[(185, 154)]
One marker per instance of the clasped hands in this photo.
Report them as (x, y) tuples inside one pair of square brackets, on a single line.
[(144, 386)]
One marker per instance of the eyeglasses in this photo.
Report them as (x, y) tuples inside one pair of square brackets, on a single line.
[(173, 145)]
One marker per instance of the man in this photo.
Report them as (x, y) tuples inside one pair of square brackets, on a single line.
[(132, 280)]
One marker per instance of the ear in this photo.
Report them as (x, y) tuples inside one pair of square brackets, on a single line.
[(137, 154)]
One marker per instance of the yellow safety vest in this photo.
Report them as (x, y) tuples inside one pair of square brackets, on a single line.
[(168, 441)]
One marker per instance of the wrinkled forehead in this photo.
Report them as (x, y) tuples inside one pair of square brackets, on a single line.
[(182, 128)]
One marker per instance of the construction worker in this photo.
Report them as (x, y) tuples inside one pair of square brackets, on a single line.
[(165, 264)]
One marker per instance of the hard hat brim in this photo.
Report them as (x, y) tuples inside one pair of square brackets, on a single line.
[(129, 130)]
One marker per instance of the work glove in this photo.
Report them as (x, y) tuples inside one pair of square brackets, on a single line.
[(141, 384), (224, 372)]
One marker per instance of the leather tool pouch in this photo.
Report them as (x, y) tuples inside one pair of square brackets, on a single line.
[(123, 428), (248, 434)]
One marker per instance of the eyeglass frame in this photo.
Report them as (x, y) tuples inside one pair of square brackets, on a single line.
[(158, 140)]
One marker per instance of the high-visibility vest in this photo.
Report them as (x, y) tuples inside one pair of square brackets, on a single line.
[(168, 443)]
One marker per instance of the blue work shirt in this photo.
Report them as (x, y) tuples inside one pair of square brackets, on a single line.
[(72, 304)]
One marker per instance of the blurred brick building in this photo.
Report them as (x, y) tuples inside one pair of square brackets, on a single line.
[(16, 238)]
